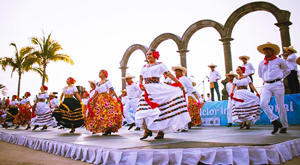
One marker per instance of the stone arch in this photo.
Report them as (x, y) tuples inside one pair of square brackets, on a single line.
[(130, 50), (281, 16), (197, 26), (163, 37)]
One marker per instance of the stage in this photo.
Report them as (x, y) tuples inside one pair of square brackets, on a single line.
[(209, 145)]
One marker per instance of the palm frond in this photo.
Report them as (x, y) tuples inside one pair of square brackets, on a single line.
[(40, 72), (63, 57)]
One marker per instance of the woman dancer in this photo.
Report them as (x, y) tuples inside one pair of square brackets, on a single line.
[(24, 115), (166, 110), (12, 111), (42, 110), (105, 113), (245, 106), (69, 112)]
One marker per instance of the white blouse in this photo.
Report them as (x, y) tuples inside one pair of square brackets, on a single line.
[(70, 90), (105, 87), (155, 70), (92, 93), (14, 102), (24, 101), (43, 95), (242, 82)]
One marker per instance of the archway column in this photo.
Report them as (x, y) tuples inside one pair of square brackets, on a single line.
[(123, 74), (228, 64), (182, 53), (285, 33)]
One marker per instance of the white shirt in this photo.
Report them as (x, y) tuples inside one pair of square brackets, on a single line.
[(291, 62), (275, 69), (213, 76), (242, 82), (208, 99), (24, 101), (168, 80), (70, 90), (92, 93), (187, 85), (104, 87), (229, 87), (133, 90), (14, 102), (85, 101), (43, 95), (153, 70), (124, 100), (202, 100), (54, 103), (248, 69)]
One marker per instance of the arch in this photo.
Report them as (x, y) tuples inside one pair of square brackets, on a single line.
[(130, 50), (197, 26), (163, 37), (280, 15)]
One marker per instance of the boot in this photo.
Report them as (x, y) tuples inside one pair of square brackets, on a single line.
[(146, 134), (137, 129), (160, 135), (35, 127), (283, 130), (44, 128), (229, 125), (28, 127), (17, 127), (276, 126), (131, 126)]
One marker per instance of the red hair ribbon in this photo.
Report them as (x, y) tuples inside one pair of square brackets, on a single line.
[(28, 94), (153, 105), (105, 73), (122, 110), (156, 54), (267, 60), (45, 87), (72, 80)]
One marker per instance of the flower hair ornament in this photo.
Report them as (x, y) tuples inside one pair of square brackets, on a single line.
[(45, 87), (243, 69), (72, 80), (28, 94), (156, 54), (105, 73)]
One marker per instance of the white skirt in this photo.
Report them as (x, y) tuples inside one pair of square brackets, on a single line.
[(171, 114), (43, 115), (249, 110)]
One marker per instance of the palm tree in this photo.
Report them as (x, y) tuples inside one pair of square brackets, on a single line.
[(20, 63), (3, 89), (46, 51)]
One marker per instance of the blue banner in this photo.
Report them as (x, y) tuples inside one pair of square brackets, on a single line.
[(215, 113)]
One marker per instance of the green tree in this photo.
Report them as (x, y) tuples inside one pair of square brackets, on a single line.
[(3, 89), (20, 63), (46, 51)]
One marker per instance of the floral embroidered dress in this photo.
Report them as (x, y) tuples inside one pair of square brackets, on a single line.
[(104, 111), (24, 114), (172, 113), (246, 105), (43, 112), (69, 113), (12, 111)]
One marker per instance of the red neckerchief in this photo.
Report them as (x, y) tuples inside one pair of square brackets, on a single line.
[(267, 60), (178, 77), (231, 81), (130, 83)]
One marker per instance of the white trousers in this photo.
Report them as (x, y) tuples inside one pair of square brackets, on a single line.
[(229, 110), (276, 89), (131, 103)]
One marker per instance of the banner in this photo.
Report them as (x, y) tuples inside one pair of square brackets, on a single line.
[(215, 113)]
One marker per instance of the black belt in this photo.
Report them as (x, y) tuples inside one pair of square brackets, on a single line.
[(270, 82)]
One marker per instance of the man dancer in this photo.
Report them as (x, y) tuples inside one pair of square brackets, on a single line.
[(214, 77), (230, 76), (133, 93), (292, 78), (124, 100), (249, 69), (273, 70)]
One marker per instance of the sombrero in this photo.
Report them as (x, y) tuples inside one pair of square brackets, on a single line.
[(124, 90), (231, 73), (92, 82), (51, 94), (298, 61), (290, 48), (244, 56), (212, 65), (269, 45), (179, 67), (128, 76)]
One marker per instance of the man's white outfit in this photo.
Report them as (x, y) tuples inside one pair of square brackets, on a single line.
[(133, 93)]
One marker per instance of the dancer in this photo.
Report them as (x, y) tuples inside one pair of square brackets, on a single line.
[(24, 115), (133, 93), (249, 69), (11, 112), (161, 107), (190, 96), (124, 101), (214, 77), (69, 112), (42, 110), (273, 70), (105, 115), (54, 104), (229, 85), (292, 78), (245, 104), (85, 99)]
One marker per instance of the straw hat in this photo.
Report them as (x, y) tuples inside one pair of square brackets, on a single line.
[(124, 90), (180, 68), (231, 73), (298, 61), (128, 76), (244, 56), (290, 48), (92, 82), (212, 65), (51, 94), (269, 45), (193, 83)]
